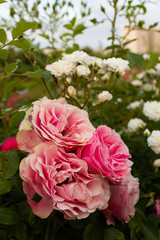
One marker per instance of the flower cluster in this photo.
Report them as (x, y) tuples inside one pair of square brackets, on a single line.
[(73, 167)]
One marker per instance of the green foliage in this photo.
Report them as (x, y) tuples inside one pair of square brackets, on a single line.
[(23, 26), (3, 36), (16, 119)]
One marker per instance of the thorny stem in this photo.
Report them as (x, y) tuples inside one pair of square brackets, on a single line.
[(113, 30)]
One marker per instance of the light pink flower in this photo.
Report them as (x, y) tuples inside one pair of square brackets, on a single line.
[(62, 123), (63, 182), (123, 198), (107, 154), (157, 207), (27, 139)]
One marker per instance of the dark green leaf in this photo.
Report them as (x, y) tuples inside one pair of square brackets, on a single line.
[(5, 186), (9, 86), (3, 53), (3, 36), (78, 29), (93, 232), (8, 216), (150, 230), (127, 42), (94, 20), (111, 233), (103, 9), (11, 166), (16, 119), (47, 75), (21, 231), (21, 27), (21, 43), (135, 60), (153, 25), (10, 68)]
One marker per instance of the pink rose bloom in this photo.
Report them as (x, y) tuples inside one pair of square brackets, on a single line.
[(124, 196), (27, 139), (157, 207), (107, 154), (62, 123), (63, 182), (9, 144)]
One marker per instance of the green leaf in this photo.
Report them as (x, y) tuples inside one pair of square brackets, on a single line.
[(135, 60), (150, 230), (21, 43), (127, 42), (113, 46), (8, 216), (78, 29), (47, 75), (94, 20), (21, 231), (23, 26), (93, 232), (16, 119), (1, 1), (68, 26), (73, 21), (153, 25), (11, 166), (44, 36), (10, 68), (103, 9), (9, 86), (3, 53), (111, 233), (3, 36), (5, 186)]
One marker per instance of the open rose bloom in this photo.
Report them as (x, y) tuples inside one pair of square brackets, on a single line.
[(73, 167)]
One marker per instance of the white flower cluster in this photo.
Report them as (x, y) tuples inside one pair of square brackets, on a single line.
[(151, 109), (79, 62), (135, 124), (115, 65), (154, 141)]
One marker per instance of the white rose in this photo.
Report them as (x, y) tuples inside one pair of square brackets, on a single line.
[(134, 105), (83, 70), (71, 91), (77, 57), (135, 124), (156, 163), (62, 67), (151, 109), (148, 87), (146, 56), (136, 83), (154, 141), (104, 96), (115, 65), (146, 132)]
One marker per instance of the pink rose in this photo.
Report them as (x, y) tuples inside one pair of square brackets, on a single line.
[(63, 182), (9, 144), (27, 139), (62, 123), (107, 154), (157, 207), (123, 198)]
